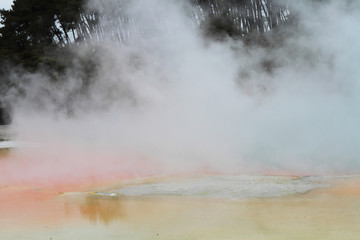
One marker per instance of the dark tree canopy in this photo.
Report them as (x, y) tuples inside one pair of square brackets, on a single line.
[(240, 18), (32, 27), (5, 117), (39, 34)]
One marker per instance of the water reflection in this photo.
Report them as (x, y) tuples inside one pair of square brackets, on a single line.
[(104, 209), (4, 153)]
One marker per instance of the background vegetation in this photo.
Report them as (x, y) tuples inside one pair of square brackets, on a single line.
[(39, 35)]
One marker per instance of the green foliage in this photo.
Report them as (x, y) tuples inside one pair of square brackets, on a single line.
[(31, 28), (39, 34)]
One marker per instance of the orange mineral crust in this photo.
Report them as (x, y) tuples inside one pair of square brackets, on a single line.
[(346, 188), (27, 206), (329, 213)]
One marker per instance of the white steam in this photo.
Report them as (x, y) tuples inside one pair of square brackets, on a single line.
[(185, 103)]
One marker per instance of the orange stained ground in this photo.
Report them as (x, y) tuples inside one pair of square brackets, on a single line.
[(41, 199), (332, 213)]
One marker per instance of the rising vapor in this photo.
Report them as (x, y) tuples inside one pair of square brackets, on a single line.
[(171, 100)]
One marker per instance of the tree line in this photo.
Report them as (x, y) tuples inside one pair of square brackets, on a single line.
[(31, 29), (39, 34)]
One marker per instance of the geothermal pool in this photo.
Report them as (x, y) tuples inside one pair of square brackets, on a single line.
[(154, 135), (196, 207), (43, 196)]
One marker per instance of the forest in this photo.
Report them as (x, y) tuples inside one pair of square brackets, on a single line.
[(40, 35), (37, 33)]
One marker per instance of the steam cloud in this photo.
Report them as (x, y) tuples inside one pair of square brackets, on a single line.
[(172, 101)]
